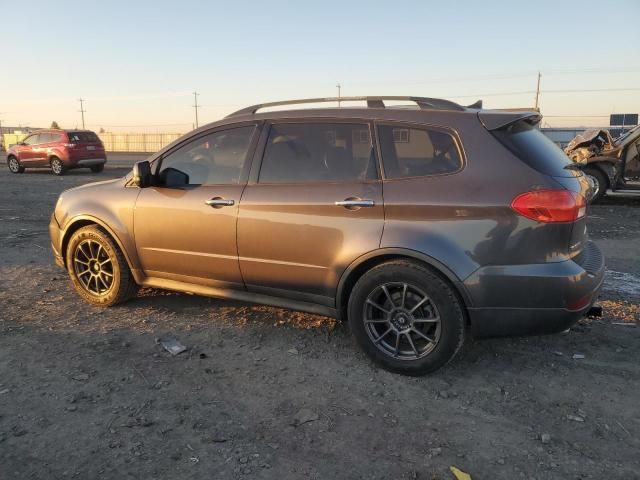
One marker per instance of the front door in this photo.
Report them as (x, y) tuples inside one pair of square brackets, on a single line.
[(185, 225), (27, 153), (314, 208)]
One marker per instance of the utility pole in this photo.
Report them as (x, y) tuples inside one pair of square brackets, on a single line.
[(82, 110), (339, 87), (195, 105), (538, 91)]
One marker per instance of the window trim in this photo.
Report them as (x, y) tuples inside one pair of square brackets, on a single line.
[(156, 163), (254, 176), (424, 126)]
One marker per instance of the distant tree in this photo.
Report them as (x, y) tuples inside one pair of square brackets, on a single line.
[(54, 124), (101, 130)]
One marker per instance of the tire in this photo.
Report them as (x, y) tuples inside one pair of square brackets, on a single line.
[(439, 317), (113, 283), (600, 183), (97, 168), (57, 167), (14, 165)]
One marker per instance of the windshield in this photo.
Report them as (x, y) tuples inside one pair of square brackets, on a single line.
[(627, 136)]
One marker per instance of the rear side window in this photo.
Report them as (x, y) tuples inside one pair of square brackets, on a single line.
[(410, 151), (83, 137), (532, 147), (318, 152)]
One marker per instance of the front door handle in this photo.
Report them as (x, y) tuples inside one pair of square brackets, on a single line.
[(352, 203), (218, 202)]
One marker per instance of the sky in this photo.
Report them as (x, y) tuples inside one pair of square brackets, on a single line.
[(137, 63)]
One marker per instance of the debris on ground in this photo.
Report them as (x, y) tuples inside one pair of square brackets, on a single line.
[(173, 346), (578, 356), (545, 438), (304, 416), (459, 474), (575, 418)]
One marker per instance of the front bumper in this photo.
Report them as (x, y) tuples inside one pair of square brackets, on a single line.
[(55, 233), (534, 299)]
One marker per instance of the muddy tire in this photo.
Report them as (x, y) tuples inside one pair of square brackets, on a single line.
[(57, 167), (406, 317), (599, 182), (98, 269), (14, 165)]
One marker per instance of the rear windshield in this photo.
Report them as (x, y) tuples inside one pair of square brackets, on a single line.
[(83, 137), (532, 147)]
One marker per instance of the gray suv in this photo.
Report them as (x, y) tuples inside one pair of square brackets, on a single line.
[(417, 225)]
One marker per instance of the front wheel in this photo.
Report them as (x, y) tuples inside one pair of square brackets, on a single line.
[(599, 183), (98, 270), (57, 167), (406, 318), (14, 165)]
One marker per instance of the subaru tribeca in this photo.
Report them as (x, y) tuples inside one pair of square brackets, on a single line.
[(60, 150), (416, 225)]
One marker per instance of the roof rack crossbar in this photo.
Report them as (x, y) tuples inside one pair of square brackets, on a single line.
[(424, 103)]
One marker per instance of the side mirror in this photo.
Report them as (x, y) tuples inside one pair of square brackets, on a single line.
[(141, 174)]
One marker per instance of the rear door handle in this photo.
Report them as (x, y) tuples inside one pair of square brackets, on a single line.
[(355, 203), (218, 202)]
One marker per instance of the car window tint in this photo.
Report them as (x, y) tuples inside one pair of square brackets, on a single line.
[(409, 151), (47, 137), (217, 158), (318, 152), (82, 137)]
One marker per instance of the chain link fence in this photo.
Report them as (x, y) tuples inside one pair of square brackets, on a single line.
[(137, 142)]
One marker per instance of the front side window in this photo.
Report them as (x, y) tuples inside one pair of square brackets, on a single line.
[(318, 152), (32, 140), (214, 159), (417, 151)]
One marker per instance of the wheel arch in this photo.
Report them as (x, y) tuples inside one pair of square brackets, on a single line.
[(369, 260), (607, 166), (85, 220)]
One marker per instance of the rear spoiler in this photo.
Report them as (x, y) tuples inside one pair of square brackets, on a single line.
[(499, 119)]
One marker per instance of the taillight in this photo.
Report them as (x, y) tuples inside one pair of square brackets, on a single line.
[(550, 206)]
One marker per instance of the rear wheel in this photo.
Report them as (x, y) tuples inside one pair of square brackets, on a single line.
[(98, 270), (406, 318), (97, 168), (57, 167), (14, 165), (599, 183)]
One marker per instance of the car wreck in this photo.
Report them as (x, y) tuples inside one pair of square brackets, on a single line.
[(608, 163)]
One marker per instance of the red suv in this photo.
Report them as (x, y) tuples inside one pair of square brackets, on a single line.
[(59, 149)]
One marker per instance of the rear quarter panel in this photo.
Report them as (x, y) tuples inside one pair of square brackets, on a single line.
[(464, 219)]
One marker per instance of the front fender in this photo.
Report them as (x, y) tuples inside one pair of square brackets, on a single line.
[(608, 165), (109, 204)]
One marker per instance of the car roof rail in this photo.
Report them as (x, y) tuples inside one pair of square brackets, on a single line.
[(424, 103)]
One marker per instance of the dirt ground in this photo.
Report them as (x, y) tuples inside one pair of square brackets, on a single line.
[(269, 393)]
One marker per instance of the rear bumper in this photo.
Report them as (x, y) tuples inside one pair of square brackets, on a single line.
[(90, 162), (534, 299)]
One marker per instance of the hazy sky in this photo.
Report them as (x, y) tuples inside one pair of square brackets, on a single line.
[(136, 63)]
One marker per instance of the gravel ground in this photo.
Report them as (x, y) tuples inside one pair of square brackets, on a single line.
[(269, 393)]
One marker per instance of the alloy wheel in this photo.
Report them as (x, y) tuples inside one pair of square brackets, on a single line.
[(402, 321), (56, 166), (93, 266), (14, 165)]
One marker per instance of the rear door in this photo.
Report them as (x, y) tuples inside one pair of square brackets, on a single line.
[(312, 206)]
